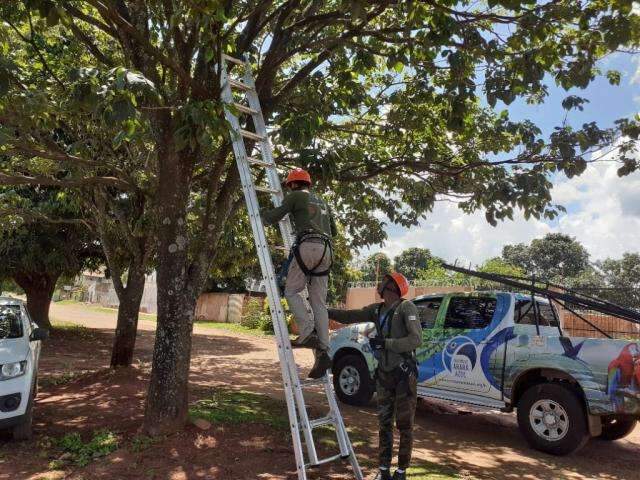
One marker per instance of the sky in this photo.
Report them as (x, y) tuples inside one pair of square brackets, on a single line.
[(603, 210)]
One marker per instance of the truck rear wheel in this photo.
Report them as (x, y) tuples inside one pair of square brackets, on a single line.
[(351, 380), (616, 427), (552, 419)]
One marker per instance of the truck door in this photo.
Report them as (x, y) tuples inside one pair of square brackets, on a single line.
[(469, 325), (427, 354)]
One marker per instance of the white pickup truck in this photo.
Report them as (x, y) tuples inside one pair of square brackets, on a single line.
[(486, 349), (19, 353)]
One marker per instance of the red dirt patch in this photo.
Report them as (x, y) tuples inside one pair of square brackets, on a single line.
[(114, 400)]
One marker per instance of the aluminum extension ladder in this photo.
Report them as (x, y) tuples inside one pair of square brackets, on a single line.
[(246, 104)]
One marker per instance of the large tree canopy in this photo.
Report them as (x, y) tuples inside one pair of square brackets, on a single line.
[(554, 257), (410, 261), (391, 105), (375, 267)]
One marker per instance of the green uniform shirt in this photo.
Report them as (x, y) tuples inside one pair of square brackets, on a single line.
[(405, 333), (308, 211)]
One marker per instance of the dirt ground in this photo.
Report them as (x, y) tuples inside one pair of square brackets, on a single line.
[(475, 444)]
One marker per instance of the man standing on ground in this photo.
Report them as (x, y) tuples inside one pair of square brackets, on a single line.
[(398, 334), (310, 265)]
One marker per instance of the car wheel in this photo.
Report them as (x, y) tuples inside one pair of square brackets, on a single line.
[(552, 419), (616, 427), (351, 380)]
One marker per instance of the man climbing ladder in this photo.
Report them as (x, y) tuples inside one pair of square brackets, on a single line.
[(308, 265)]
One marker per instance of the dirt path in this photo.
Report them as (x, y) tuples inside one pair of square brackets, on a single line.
[(484, 444)]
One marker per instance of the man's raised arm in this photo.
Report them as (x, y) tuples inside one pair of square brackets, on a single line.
[(361, 315)]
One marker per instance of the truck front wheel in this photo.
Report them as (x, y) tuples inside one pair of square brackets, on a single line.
[(552, 419), (616, 427), (351, 380)]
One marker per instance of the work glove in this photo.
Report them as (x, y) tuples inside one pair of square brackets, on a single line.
[(377, 344)]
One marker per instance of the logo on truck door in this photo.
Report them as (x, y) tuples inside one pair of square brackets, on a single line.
[(459, 356)]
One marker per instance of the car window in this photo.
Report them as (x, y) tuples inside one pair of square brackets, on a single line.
[(10, 322), (524, 314), (428, 311), (470, 312), (28, 316)]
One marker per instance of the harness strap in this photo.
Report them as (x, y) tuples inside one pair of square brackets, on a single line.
[(327, 246)]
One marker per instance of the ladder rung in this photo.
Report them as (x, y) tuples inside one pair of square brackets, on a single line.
[(240, 85), (245, 109), (251, 135), (235, 60), (258, 161), (325, 460), (267, 190), (319, 422)]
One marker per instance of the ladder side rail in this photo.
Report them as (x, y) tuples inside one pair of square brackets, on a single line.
[(284, 349), (267, 154), (296, 405), (273, 294), (334, 412), (346, 447), (286, 230)]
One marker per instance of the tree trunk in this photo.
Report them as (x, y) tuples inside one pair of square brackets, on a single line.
[(127, 325), (39, 289), (167, 400)]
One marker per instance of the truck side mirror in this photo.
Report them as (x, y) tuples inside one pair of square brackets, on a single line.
[(39, 334)]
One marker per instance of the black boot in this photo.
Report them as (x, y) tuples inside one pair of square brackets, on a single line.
[(399, 475), (321, 365), (311, 341)]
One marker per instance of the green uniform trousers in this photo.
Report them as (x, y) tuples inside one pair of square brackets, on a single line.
[(399, 399)]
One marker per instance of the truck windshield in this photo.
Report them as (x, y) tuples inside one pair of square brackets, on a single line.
[(10, 323)]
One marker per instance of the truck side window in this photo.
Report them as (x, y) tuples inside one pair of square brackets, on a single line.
[(524, 314), (470, 312), (428, 311)]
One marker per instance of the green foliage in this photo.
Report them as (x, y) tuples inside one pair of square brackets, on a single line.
[(501, 267), (257, 315), (101, 444), (411, 261), (402, 117), (619, 280), (554, 257), (375, 267), (435, 274), (32, 247), (238, 407)]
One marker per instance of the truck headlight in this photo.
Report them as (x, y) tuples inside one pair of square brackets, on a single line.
[(13, 370)]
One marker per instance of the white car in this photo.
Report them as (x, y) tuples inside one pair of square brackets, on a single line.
[(19, 353)]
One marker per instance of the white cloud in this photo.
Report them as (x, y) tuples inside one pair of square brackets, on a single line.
[(603, 213), (635, 79)]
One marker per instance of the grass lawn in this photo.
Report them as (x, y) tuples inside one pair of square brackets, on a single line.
[(230, 327), (143, 316)]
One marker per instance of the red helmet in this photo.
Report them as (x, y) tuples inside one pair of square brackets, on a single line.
[(401, 281), (298, 175)]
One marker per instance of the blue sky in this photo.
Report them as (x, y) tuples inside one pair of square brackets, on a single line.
[(603, 211)]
